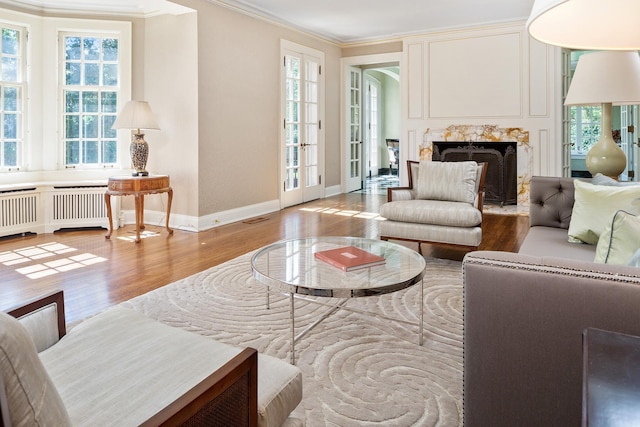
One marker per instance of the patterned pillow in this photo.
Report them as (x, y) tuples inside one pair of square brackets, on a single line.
[(31, 396), (448, 181)]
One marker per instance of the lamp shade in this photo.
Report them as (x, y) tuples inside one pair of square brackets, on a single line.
[(607, 76), (586, 24), (136, 115)]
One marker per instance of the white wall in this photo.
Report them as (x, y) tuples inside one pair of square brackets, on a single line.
[(493, 75)]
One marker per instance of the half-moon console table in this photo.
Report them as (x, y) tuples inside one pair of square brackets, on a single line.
[(138, 186)]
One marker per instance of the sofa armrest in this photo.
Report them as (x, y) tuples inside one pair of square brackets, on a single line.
[(523, 322), (229, 396), (43, 318), (400, 193)]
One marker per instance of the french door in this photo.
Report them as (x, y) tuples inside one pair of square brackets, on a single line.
[(302, 136), (353, 164)]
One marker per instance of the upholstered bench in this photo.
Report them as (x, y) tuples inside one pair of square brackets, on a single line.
[(123, 368)]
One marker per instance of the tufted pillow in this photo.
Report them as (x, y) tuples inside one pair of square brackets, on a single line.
[(595, 205), (31, 396), (619, 240), (448, 181)]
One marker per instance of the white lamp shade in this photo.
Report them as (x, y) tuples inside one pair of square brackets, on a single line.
[(136, 115), (586, 24), (607, 76)]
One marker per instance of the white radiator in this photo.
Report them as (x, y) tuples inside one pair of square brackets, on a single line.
[(20, 211), (74, 207), (50, 208)]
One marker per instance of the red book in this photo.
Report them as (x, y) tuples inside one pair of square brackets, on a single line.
[(349, 258)]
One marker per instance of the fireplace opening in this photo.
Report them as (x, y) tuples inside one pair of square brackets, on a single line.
[(502, 178)]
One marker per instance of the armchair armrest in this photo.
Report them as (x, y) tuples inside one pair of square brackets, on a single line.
[(229, 396), (400, 193), (43, 318)]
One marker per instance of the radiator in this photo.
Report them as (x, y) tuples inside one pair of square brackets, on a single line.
[(20, 211), (47, 209), (74, 207)]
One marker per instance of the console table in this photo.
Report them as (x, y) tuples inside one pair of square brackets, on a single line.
[(137, 186)]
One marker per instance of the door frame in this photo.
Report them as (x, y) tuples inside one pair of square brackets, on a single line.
[(345, 63)]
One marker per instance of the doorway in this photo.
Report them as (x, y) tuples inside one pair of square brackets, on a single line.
[(371, 115)]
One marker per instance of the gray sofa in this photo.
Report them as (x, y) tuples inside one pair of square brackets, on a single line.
[(123, 368), (524, 315)]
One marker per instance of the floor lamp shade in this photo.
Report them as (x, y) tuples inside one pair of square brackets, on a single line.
[(606, 78), (137, 115), (586, 24)]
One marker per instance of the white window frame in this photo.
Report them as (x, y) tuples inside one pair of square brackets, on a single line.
[(100, 88), (21, 85)]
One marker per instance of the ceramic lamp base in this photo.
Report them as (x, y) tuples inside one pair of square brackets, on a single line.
[(139, 150)]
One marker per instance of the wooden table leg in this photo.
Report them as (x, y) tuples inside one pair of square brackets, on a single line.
[(142, 212), (169, 199), (107, 200), (139, 206)]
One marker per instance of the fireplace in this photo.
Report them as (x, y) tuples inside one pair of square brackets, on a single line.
[(502, 171)]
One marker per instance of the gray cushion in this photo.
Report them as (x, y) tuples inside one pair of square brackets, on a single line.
[(31, 396)]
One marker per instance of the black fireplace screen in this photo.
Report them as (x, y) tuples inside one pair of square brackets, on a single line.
[(502, 172)]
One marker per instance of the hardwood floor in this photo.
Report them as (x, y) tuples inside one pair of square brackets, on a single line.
[(96, 273)]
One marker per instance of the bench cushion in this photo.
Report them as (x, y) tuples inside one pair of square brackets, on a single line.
[(436, 212), (31, 395), (121, 367)]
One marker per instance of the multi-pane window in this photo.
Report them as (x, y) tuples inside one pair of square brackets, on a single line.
[(585, 127), (584, 122), (90, 95), (12, 88)]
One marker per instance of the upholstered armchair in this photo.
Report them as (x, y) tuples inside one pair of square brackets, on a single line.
[(442, 204)]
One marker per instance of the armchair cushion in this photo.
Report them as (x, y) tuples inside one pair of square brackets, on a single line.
[(448, 181), (452, 214), (30, 393)]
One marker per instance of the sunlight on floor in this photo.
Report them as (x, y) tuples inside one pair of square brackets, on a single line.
[(143, 235), (47, 250), (355, 214)]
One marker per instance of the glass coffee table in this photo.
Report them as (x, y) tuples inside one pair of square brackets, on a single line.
[(290, 267)]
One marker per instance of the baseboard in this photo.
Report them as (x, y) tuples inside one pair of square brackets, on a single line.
[(196, 224)]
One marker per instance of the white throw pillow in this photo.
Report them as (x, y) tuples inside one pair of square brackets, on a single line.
[(31, 396), (635, 259), (449, 181), (619, 240), (595, 205)]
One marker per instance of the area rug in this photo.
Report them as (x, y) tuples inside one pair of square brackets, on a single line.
[(357, 370)]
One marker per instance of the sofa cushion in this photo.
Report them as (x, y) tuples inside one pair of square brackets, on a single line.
[(144, 365), (31, 396), (619, 240), (552, 241), (595, 204), (450, 181), (453, 214)]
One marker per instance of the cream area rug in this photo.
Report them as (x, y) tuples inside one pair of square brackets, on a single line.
[(358, 370)]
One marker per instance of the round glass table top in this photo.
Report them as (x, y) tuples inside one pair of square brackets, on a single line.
[(291, 266)]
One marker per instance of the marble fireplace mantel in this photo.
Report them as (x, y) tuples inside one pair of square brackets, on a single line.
[(488, 133)]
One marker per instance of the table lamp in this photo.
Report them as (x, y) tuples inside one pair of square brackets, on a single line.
[(606, 78), (137, 115), (586, 24)]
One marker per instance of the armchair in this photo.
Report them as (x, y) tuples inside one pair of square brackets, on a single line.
[(442, 204)]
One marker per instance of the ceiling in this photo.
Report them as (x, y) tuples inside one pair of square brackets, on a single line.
[(341, 21)]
